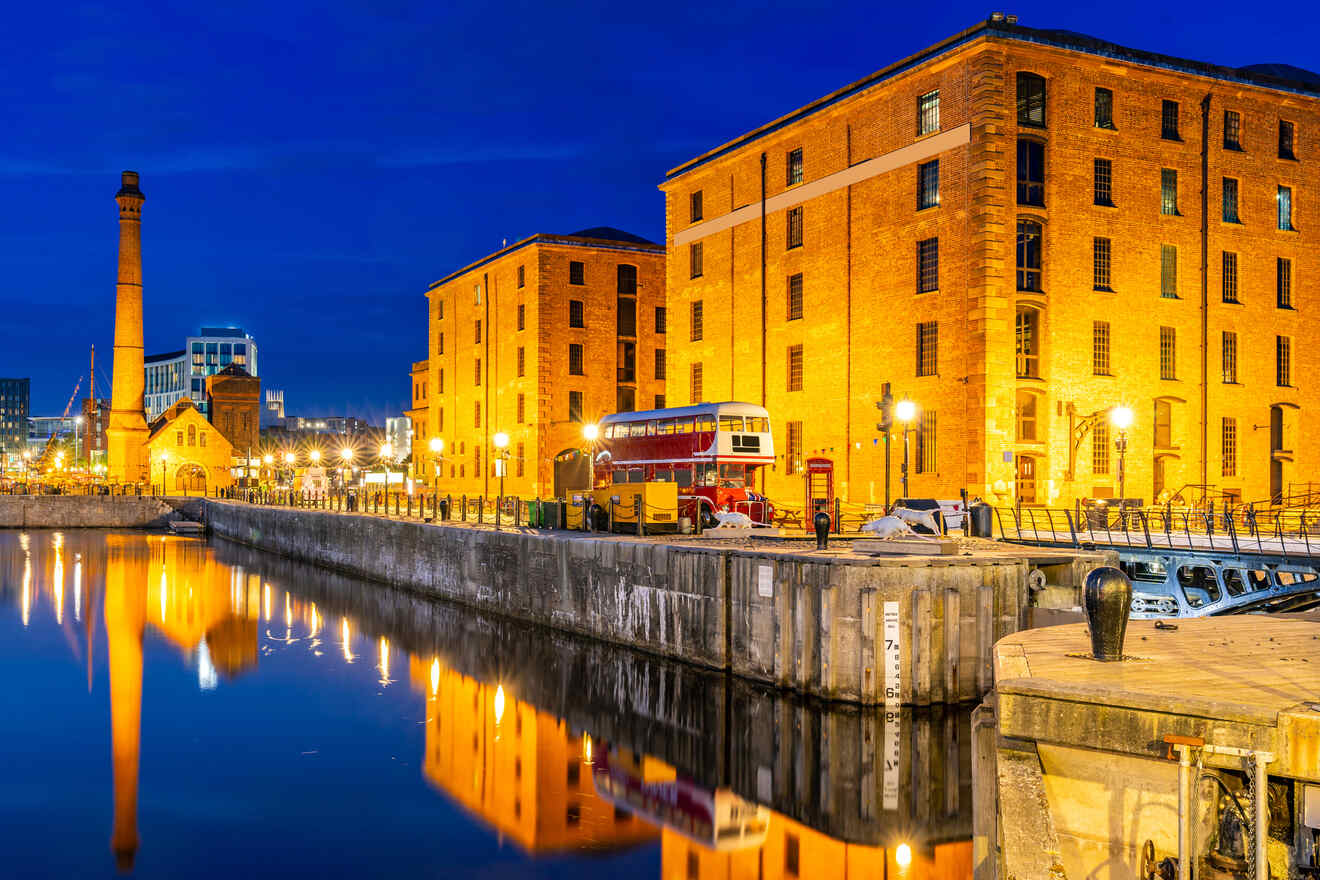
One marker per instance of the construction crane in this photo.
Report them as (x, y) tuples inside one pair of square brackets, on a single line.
[(54, 435)]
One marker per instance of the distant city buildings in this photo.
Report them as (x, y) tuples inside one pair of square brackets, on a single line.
[(15, 399), (273, 409), (172, 375), (399, 434)]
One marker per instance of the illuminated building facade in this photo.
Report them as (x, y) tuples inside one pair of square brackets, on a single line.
[(1018, 230), (15, 397), (535, 341)]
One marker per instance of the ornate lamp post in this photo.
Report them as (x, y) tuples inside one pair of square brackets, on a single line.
[(437, 456), (591, 433), (386, 450), (1121, 418), (346, 458), (164, 460), (501, 443), (905, 411)]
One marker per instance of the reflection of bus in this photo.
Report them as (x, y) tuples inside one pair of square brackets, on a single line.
[(712, 450), (654, 791)]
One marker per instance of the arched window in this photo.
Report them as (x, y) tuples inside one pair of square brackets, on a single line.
[(202, 441), (192, 435), (1031, 99), (1028, 342), (1028, 424), (1028, 255)]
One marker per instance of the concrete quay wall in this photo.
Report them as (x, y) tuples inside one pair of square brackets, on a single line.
[(809, 623), (95, 511)]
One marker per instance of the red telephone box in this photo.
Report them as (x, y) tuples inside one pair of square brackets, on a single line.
[(820, 490)]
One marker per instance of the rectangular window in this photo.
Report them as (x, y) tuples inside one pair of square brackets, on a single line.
[(626, 319), (660, 319), (440, 381), (928, 346), (1285, 208), (575, 316), (793, 452), (697, 329), (794, 237), (928, 185), (926, 442), (522, 316), (627, 279), (928, 115), (1283, 282), (441, 420), (1283, 361), (522, 408), (1229, 447), (795, 297), (575, 359), (1100, 449), (1169, 121), (522, 362), (1232, 130), (1230, 279), (1100, 248), (440, 344), (659, 401), (520, 457), (625, 399), (694, 383), (1230, 357), (440, 310), (577, 272), (1104, 108), (794, 166), (660, 363), (694, 206), (1169, 271), (1286, 140), (522, 276), (1163, 424), (795, 368), (1030, 172), (476, 414), (575, 406), (928, 265), (477, 333), (1028, 255), (1104, 182), (1230, 214), (476, 371), (1030, 100), (1168, 353), (694, 260), (1168, 191), (1100, 348)]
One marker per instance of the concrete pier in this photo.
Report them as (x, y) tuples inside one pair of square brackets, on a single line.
[(838, 625), (95, 511), (1084, 771)]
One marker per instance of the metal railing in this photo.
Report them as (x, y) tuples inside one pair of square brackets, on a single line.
[(1239, 530)]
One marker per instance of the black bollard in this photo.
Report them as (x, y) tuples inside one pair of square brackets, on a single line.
[(1108, 600), (821, 522)]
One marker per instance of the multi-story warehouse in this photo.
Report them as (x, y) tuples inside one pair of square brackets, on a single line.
[(1018, 230), (535, 341)]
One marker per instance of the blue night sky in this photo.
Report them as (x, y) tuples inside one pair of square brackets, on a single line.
[(311, 168)]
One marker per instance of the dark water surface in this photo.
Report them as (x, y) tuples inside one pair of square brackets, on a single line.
[(181, 708)]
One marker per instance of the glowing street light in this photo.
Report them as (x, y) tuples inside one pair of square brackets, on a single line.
[(906, 412), (591, 433), (1121, 417), (438, 456), (315, 456), (903, 856), (501, 442)]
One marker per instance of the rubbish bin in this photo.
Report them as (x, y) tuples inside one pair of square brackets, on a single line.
[(980, 517), (533, 513)]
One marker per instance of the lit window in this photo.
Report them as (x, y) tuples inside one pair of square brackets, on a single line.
[(928, 113)]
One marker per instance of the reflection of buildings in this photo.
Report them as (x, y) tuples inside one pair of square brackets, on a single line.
[(519, 769)]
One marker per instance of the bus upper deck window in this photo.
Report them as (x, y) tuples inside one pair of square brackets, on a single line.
[(665, 426), (637, 429), (731, 423), (608, 433), (652, 428), (705, 423), (682, 426)]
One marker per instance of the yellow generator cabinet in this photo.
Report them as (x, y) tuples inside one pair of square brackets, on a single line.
[(659, 505)]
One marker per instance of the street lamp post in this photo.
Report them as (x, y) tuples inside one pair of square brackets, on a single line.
[(501, 441), (164, 460), (1121, 417), (437, 456), (905, 411), (590, 433), (386, 450), (346, 457)]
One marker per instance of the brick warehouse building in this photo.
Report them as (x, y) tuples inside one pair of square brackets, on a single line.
[(1017, 229), (535, 341)]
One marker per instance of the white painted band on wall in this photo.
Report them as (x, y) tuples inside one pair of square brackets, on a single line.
[(912, 153)]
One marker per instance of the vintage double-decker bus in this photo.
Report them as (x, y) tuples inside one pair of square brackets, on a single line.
[(711, 450)]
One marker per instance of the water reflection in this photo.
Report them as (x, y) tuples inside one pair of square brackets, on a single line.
[(558, 746)]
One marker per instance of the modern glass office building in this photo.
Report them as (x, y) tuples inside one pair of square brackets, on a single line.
[(15, 397), (171, 375)]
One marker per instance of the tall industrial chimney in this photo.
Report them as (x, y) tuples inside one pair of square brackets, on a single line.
[(126, 435)]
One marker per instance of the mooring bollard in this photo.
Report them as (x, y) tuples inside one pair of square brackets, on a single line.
[(821, 522), (1108, 601)]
